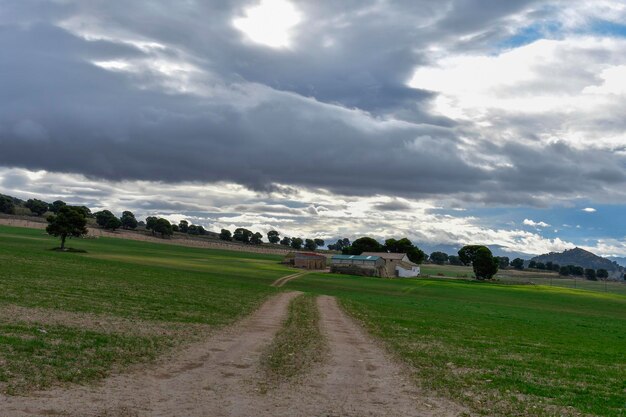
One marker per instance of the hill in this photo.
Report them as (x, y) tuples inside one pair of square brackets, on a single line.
[(581, 257)]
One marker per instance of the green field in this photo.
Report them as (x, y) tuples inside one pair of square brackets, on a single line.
[(512, 276), (501, 349), (145, 283), (518, 350)]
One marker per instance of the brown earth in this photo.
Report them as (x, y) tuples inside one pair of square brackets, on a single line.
[(220, 377)]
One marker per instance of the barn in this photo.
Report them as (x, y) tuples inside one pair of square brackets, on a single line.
[(396, 264), (307, 260), (372, 266)]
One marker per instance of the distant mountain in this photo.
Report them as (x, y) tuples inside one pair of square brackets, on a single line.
[(621, 261), (581, 257)]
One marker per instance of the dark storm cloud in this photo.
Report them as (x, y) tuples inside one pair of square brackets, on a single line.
[(253, 115)]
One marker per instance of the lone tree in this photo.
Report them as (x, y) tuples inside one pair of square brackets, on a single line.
[(68, 222), (517, 263), (273, 237), (439, 258), (467, 253), (482, 260), (128, 220), (38, 207), (319, 242), (183, 226), (226, 235)]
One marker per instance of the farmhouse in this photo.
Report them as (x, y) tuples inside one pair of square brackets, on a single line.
[(396, 264), (372, 266), (305, 260)]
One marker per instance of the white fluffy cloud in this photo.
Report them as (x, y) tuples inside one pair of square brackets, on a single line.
[(532, 223)]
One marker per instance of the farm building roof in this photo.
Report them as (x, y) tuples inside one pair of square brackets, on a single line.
[(309, 255), (385, 255), (356, 257)]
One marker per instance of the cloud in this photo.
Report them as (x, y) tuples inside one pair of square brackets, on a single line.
[(532, 223), (589, 210)]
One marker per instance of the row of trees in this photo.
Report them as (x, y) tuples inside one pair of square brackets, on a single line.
[(246, 236), (368, 244)]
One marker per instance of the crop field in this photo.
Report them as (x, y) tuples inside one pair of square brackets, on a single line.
[(500, 349), (71, 317), (511, 350)]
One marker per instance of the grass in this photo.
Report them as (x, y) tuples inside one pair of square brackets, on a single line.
[(500, 349), (297, 346), (123, 278), (512, 276)]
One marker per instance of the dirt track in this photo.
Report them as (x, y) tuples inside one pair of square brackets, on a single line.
[(219, 377)]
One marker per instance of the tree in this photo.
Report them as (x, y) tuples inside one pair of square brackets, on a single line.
[(532, 264), (226, 235), (256, 239), (556, 267), (578, 271), (484, 264), (68, 222), (38, 207), (319, 242), (7, 205), (285, 241), (183, 226), (296, 243), (590, 274), (128, 220), (175, 228), (107, 220), (310, 244), (503, 261), (467, 253), (56, 205), (242, 235), (195, 230), (404, 245), (273, 237), (541, 266), (151, 222), (163, 227), (86, 211), (454, 260), (363, 244), (549, 265), (602, 273), (340, 244), (438, 258), (564, 271), (517, 263)]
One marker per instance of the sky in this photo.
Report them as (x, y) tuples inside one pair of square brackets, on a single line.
[(449, 122)]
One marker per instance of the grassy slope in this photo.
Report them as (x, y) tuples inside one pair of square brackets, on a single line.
[(116, 277), (509, 350)]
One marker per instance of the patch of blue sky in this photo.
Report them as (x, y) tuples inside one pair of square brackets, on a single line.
[(567, 223), (531, 33), (606, 28)]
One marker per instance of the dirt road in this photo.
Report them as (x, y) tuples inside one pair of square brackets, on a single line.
[(220, 377)]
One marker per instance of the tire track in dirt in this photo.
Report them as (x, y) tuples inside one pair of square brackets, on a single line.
[(207, 379), (220, 377), (283, 280)]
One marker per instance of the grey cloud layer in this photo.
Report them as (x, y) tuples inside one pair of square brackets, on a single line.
[(314, 116)]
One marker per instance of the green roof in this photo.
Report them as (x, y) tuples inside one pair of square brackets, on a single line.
[(356, 257)]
